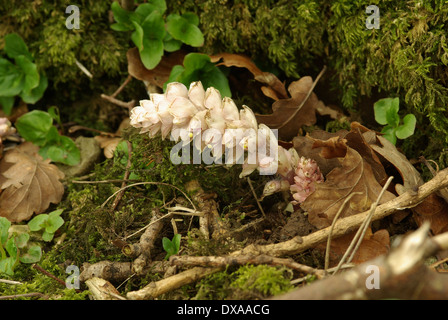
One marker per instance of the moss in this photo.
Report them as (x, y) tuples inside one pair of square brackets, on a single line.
[(34, 281), (247, 282)]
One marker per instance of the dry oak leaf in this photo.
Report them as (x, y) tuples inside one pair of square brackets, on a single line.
[(354, 175), (289, 115), (372, 246), (28, 182), (275, 89), (435, 210), (160, 74)]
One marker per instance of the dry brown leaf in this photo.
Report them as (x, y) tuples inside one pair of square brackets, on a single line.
[(109, 144), (286, 116), (29, 183), (275, 89), (435, 210), (410, 176), (304, 147), (160, 74), (354, 175), (372, 246)]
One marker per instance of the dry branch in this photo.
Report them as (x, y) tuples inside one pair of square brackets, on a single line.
[(349, 224), (400, 274), (155, 289), (224, 261), (103, 290)]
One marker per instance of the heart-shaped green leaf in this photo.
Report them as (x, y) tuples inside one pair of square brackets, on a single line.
[(38, 222), (33, 126), (15, 46), (33, 255), (407, 128), (386, 111), (389, 134), (182, 29), (36, 93), (5, 224)]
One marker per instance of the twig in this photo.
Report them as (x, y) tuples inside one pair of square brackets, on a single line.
[(223, 261), (306, 98), (10, 281), (23, 295), (125, 178), (255, 196), (77, 127), (129, 105), (48, 274), (124, 84), (327, 251), (359, 236), (83, 69), (150, 182), (101, 181)]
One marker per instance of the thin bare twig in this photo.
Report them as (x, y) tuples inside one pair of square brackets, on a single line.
[(124, 84), (129, 105), (255, 196), (327, 251), (306, 98), (23, 295), (359, 236)]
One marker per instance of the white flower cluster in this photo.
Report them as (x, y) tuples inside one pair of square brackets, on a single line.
[(210, 121)]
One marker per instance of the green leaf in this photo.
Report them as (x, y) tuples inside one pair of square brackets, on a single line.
[(122, 27), (167, 245), (15, 46), (181, 29), (389, 134), (38, 222), (137, 36), (36, 93), (47, 236), (11, 247), (5, 224), (33, 255), (381, 109), (7, 103), (7, 266), (170, 44), (22, 240), (199, 67), (392, 113), (191, 17), (152, 53), (120, 15), (64, 151), (54, 221), (34, 126), (176, 242), (407, 128), (31, 74), (12, 79)]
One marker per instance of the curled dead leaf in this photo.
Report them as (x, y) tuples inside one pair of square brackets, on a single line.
[(274, 88), (289, 115), (160, 74), (29, 183), (354, 175)]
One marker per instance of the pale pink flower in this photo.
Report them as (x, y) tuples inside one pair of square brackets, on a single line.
[(307, 174)]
